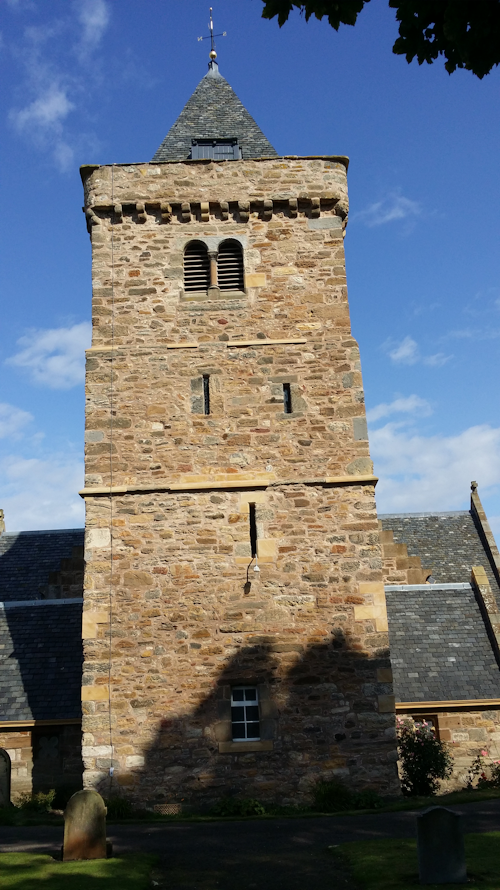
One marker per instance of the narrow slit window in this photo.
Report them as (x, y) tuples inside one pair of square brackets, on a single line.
[(287, 398), (206, 394), (253, 530), (196, 268), (245, 718)]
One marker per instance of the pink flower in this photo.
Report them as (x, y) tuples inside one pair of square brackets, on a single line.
[(484, 753)]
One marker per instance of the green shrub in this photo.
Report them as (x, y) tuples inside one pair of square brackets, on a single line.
[(232, 806), (424, 759), (63, 794), (485, 775), (332, 796), (119, 808), (7, 815), (36, 802)]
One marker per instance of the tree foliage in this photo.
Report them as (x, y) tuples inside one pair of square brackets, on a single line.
[(465, 32), (424, 759)]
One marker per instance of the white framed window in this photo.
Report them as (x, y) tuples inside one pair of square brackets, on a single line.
[(245, 719)]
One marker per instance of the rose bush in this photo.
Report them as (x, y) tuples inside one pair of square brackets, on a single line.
[(424, 759)]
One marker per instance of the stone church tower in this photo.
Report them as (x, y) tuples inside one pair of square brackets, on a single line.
[(235, 625)]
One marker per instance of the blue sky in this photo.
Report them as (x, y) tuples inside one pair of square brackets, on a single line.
[(101, 81)]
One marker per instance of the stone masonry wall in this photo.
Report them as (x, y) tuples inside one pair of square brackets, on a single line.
[(18, 747), (157, 438), (44, 758), (467, 733), (167, 558), (311, 630)]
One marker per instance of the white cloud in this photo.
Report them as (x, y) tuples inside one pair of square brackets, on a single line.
[(407, 352), (42, 493), (393, 207), (94, 17), (419, 473), (12, 421), (45, 112), (437, 360), (410, 405), (54, 357), (473, 333), (59, 60)]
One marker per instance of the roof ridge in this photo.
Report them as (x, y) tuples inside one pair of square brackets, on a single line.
[(429, 513), (42, 531)]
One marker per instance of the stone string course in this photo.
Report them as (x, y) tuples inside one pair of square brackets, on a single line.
[(189, 618)]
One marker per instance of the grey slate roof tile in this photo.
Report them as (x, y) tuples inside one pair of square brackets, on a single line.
[(28, 558), (447, 543), (214, 112), (41, 662), (457, 663)]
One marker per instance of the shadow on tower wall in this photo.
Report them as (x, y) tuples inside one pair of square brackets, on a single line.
[(319, 718)]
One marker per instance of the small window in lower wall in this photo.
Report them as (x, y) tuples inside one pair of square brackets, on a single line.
[(245, 719), (430, 720)]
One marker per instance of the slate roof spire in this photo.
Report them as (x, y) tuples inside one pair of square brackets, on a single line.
[(214, 112)]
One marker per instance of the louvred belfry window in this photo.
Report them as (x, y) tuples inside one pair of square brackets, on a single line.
[(196, 268), (230, 266)]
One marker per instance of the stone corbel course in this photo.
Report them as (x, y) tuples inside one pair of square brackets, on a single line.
[(138, 211)]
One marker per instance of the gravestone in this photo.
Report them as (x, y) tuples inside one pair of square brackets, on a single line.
[(4, 778), (85, 826), (441, 852)]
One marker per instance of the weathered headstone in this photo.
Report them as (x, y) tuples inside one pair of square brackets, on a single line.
[(4, 778), (85, 826), (441, 852)]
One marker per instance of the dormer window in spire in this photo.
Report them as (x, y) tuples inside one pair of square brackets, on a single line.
[(215, 149)]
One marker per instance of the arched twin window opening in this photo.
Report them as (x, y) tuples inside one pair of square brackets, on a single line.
[(230, 266), (196, 267), (222, 269)]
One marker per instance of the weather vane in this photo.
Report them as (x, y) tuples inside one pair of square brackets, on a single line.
[(212, 36)]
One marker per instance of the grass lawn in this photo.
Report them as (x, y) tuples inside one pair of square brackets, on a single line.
[(29, 871), (392, 864)]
